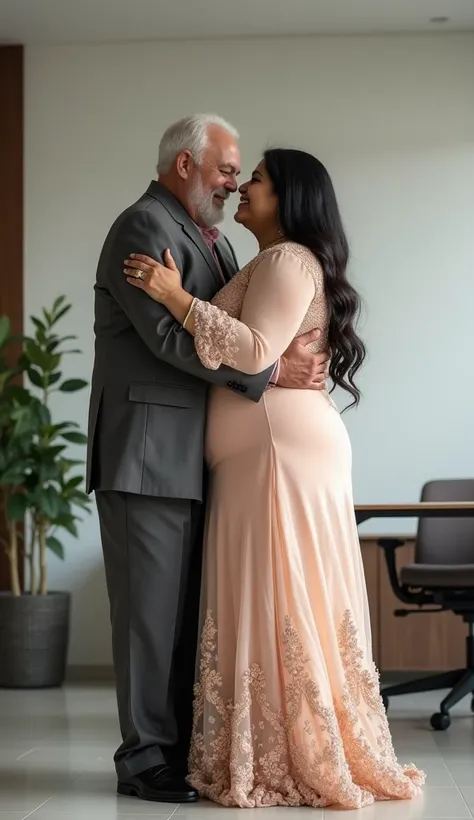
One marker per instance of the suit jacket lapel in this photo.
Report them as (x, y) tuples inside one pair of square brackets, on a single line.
[(226, 258), (180, 215)]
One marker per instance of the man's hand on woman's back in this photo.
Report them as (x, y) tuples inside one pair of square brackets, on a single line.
[(301, 369)]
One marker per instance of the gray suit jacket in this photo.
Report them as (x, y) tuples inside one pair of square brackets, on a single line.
[(148, 400)]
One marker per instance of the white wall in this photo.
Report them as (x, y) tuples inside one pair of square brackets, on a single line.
[(393, 119)]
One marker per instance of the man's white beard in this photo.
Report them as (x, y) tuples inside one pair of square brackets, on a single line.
[(203, 203)]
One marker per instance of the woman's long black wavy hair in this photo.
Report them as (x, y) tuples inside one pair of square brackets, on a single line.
[(309, 214)]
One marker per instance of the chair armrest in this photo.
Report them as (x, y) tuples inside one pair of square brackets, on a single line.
[(420, 598), (390, 546)]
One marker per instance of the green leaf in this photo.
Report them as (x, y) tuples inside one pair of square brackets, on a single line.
[(48, 467), (25, 421), (23, 363), (55, 546), (38, 324), (40, 337), (51, 363), (81, 500), (16, 507), (65, 508), (79, 495), (60, 313), (54, 451), (35, 377), (14, 476), (48, 501), (74, 482), (43, 414), (55, 430), (67, 522), (52, 344), (58, 302), (64, 426), (6, 376), (53, 378), (39, 357), (68, 464), (5, 328), (47, 472), (75, 438), (72, 385), (59, 340), (18, 394)]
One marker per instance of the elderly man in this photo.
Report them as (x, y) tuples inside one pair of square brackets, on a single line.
[(145, 455)]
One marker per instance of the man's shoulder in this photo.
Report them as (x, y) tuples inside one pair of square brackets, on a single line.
[(147, 215), (147, 209)]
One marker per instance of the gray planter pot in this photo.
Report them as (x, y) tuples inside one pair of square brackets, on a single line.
[(34, 637)]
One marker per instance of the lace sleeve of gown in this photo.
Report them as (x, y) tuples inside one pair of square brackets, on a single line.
[(277, 299), (215, 336)]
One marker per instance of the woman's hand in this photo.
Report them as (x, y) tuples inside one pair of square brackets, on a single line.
[(160, 282)]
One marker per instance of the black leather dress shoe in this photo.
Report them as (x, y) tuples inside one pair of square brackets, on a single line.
[(159, 784)]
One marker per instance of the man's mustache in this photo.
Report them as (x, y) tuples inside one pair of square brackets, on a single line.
[(222, 192)]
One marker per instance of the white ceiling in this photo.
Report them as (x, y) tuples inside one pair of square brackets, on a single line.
[(73, 21)]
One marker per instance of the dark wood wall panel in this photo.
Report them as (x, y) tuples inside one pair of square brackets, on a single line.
[(11, 201)]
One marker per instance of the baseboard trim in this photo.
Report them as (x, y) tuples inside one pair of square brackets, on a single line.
[(105, 674), (89, 674), (393, 677)]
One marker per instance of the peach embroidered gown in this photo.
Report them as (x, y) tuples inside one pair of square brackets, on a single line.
[(287, 708)]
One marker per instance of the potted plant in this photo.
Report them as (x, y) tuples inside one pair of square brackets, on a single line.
[(41, 495)]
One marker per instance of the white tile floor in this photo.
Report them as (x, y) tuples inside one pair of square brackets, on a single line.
[(56, 749)]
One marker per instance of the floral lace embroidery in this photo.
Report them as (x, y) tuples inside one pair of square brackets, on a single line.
[(250, 753), (215, 336)]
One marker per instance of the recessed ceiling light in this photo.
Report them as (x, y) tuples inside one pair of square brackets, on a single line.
[(439, 20)]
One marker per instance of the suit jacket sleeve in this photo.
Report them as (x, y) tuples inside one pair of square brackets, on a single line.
[(140, 232)]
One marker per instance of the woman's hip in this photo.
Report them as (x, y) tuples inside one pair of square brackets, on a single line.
[(287, 422)]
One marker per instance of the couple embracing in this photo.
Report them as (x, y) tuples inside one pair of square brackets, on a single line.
[(222, 474)]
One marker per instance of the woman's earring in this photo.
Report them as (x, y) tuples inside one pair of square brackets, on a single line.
[(280, 233)]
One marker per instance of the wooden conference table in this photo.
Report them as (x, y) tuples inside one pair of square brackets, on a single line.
[(422, 509)]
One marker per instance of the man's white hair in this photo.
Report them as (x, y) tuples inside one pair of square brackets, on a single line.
[(189, 134)]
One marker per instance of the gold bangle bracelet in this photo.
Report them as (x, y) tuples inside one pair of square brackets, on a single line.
[(189, 313)]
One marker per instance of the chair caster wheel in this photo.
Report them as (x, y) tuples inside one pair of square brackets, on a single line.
[(440, 721), (385, 701)]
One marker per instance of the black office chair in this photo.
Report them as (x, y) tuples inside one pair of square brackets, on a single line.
[(442, 575)]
